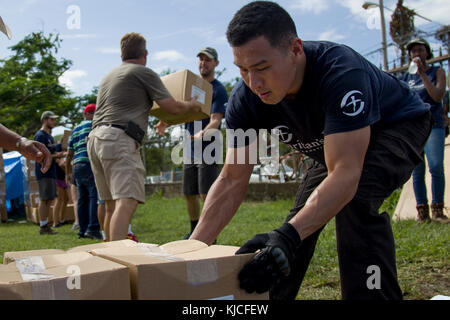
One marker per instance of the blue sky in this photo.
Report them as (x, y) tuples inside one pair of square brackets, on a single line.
[(177, 29)]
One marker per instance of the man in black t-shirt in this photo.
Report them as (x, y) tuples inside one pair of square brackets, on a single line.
[(47, 181), (200, 168), (364, 128)]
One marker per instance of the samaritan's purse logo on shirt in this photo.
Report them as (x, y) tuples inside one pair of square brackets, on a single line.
[(351, 105)]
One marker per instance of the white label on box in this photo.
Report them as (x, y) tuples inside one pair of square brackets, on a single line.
[(32, 268), (201, 272), (199, 93)]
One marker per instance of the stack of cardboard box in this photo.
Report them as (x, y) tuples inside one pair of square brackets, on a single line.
[(12, 256), (32, 210), (3, 212), (66, 276), (65, 139), (180, 270), (69, 212)]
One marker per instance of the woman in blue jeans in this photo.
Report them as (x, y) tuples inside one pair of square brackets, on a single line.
[(429, 83)]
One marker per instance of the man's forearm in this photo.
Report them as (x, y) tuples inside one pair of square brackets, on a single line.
[(222, 202), (213, 124), (8, 138), (325, 202), (435, 93)]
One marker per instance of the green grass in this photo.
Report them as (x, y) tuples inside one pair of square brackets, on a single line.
[(422, 250)]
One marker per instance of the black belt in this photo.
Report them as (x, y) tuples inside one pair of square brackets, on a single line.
[(111, 125)]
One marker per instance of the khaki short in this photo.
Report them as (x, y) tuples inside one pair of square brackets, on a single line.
[(117, 165)]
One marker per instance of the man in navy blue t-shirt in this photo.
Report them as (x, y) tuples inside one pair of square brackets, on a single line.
[(47, 181), (201, 170), (365, 129)]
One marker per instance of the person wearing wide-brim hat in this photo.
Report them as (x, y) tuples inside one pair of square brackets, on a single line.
[(429, 83)]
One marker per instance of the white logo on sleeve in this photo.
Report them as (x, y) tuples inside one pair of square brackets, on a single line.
[(351, 105)]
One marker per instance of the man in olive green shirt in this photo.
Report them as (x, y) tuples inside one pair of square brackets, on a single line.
[(125, 94)]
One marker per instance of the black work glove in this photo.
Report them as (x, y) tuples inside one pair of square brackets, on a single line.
[(273, 262)]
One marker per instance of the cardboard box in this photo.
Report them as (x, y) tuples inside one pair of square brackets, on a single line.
[(68, 276), (34, 187), (28, 212), (34, 200), (31, 170), (69, 213), (182, 270), (11, 256), (33, 213), (110, 244), (65, 139), (183, 86)]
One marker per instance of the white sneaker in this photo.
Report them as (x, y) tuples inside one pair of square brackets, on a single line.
[(75, 226)]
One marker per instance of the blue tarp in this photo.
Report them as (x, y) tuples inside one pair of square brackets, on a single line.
[(15, 174)]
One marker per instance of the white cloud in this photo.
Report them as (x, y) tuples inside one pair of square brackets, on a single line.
[(68, 78), (106, 50), (331, 35), (160, 69), (316, 6), (436, 10), (221, 40), (27, 4), (79, 36), (356, 9), (168, 55)]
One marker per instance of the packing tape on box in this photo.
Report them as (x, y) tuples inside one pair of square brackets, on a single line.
[(201, 272), (44, 285), (54, 289), (157, 252)]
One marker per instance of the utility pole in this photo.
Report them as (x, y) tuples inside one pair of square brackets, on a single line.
[(383, 35)]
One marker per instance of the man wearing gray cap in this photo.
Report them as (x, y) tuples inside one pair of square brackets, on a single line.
[(47, 181), (200, 173)]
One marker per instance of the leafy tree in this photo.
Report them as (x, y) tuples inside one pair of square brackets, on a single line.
[(443, 35), (29, 84), (402, 28), (75, 115)]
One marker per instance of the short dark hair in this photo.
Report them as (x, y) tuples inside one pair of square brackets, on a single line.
[(261, 18), (132, 46)]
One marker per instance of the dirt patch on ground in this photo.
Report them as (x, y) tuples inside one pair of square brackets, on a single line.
[(427, 282)]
